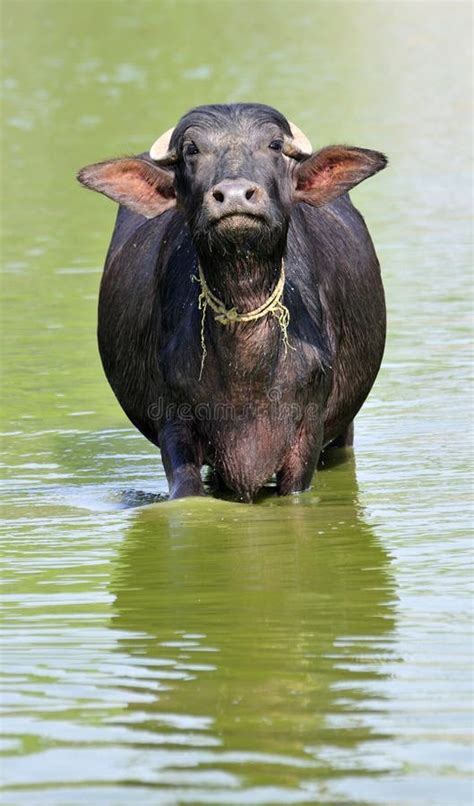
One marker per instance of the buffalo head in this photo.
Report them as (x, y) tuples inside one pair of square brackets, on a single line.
[(235, 171)]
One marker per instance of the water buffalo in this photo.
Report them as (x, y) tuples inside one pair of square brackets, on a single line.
[(241, 311)]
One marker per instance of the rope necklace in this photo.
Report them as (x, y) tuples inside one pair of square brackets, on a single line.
[(227, 316)]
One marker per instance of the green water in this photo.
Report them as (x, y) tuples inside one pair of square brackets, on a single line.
[(315, 649)]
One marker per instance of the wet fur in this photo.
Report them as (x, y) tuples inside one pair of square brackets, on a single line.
[(149, 324)]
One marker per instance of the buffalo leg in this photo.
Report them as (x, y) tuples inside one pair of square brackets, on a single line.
[(345, 439), (300, 463), (180, 457)]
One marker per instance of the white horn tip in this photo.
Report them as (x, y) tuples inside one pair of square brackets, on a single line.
[(300, 140), (160, 147)]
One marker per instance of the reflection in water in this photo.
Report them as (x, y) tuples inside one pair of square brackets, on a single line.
[(265, 627), (117, 716)]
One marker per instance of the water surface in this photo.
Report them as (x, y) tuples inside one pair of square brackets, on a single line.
[(315, 649)]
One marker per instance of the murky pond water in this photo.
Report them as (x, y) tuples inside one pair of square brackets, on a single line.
[(308, 650)]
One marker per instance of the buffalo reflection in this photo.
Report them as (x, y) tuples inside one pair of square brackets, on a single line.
[(269, 626)]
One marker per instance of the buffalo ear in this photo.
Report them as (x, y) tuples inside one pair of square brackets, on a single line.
[(135, 183), (333, 171)]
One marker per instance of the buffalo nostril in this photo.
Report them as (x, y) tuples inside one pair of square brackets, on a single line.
[(218, 196), (249, 193)]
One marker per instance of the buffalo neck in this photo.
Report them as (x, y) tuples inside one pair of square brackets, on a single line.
[(241, 279), (244, 282)]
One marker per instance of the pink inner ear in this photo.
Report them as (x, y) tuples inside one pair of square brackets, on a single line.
[(141, 185), (135, 183), (324, 177), (140, 179), (327, 169), (333, 171)]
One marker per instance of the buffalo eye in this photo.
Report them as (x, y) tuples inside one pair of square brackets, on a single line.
[(191, 149), (276, 145)]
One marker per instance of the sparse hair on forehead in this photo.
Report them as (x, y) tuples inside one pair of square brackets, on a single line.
[(221, 115)]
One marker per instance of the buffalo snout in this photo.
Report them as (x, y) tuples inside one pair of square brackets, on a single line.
[(236, 197)]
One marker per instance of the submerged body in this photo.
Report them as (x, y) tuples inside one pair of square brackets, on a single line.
[(255, 407)]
